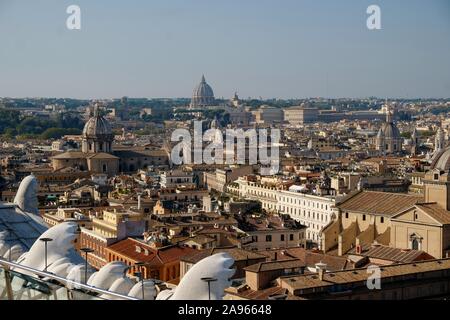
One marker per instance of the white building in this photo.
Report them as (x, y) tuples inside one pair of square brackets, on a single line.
[(176, 178), (315, 212), (267, 195)]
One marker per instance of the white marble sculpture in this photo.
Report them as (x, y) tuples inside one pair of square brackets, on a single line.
[(26, 196), (20, 223), (192, 287), (64, 261), (61, 246)]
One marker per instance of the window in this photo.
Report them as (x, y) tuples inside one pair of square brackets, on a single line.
[(364, 217), (346, 215), (291, 237), (268, 238), (436, 176), (415, 244), (282, 237), (382, 219)]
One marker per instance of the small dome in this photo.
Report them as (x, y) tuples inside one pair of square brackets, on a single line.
[(441, 160), (391, 131), (203, 95), (97, 126)]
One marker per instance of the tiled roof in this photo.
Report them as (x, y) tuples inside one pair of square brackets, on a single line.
[(101, 155), (200, 239), (81, 155), (310, 259), (275, 265), (392, 254), (382, 203), (436, 212), (236, 253), (154, 257), (360, 275), (70, 155)]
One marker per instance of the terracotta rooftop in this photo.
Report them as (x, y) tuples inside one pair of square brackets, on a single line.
[(381, 203), (70, 155), (360, 275), (436, 212), (310, 259), (275, 265), (153, 257), (268, 223), (392, 254), (101, 155), (200, 239), (236, 253)]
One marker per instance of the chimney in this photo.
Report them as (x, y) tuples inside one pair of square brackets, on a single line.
[(139, 201), (321, 269)]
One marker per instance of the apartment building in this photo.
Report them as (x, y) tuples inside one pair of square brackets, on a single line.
[(268, 232), (427, 279), (219, 179), (176, 178), (313, 211), (301, 115)]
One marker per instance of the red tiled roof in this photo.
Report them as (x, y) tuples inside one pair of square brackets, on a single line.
[(154, 257)]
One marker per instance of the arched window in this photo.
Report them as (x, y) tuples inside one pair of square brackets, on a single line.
[(415, 244)]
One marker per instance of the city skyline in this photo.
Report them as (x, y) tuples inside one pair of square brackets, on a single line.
[(160, 50)]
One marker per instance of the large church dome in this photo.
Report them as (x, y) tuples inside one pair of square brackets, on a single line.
[(203, 95), (97, 135), (441, 160), (97, 126)]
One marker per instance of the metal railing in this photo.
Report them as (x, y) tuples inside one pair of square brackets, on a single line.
[(10, 268)]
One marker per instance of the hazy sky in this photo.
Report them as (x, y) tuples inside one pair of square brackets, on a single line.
[(267, 48)]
